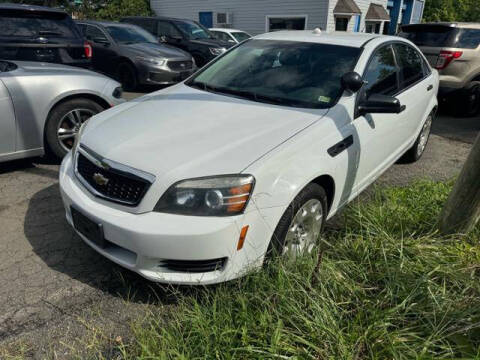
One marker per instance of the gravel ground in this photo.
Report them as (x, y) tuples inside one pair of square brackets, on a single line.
[(58, 293)]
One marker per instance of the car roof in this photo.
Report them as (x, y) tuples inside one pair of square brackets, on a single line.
[(158, 18), (32, 8), (103, 23), (227, 30), (469, 25), (321, 37)]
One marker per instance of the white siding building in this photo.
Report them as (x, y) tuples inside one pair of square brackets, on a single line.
[(259, 16)]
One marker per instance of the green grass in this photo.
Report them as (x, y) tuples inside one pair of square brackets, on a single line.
[(385, 286)]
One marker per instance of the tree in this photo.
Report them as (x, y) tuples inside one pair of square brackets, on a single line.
[(451, 10), (462, 209), (114, 9)]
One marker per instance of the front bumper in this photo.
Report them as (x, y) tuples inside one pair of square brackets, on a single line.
[(161, 75), (146, 243)]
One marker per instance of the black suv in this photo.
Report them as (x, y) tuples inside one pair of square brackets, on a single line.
[(38, 33), (185, 34)]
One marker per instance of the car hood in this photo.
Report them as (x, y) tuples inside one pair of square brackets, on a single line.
[(157, 50), (182, 132), (40, 68), (213, 42)]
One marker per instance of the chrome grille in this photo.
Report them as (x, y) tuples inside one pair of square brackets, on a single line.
[(180, 65), (113, 183)]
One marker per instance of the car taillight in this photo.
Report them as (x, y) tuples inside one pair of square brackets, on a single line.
[(446, 58), (88, 50)]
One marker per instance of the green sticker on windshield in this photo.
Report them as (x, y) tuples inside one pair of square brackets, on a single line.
[(324, 99)]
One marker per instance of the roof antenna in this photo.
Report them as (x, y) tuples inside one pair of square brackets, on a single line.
[(317, 31)]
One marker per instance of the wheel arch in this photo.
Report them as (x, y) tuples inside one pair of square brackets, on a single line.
[(328, 184), (98, 99)]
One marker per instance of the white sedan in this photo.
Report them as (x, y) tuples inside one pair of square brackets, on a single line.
[(230, 35), (201, 182)]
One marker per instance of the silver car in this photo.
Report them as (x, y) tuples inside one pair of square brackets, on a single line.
[(42, 106)]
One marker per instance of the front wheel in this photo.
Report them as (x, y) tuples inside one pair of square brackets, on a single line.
[(298, 231), (64, 122)]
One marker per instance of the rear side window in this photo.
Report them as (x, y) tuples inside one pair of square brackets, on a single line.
[(37, 24), (411, 65), (381, 74), (468, 39), (94, 32), (430, 35)]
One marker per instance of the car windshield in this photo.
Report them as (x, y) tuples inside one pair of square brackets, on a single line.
[(288, 73), (130, 34), (240, 36), (37, 24), (193, 31)]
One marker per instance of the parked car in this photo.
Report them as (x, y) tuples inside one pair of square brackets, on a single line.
[(250, 156), (453, 49), (43, 106), (230, 35), (184, 34), (134, 56), (38, 33)]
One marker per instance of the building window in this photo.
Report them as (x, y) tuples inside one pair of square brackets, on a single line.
[(341, 23), (276, 23), (373, 27)]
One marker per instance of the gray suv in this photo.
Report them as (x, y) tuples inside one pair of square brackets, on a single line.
[(453, 49)]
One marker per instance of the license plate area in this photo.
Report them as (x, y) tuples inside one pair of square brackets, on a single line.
[(88, 228)]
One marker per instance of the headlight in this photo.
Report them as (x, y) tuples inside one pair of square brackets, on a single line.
[(217, 51), (212, 196), (152, 61), (77, 138)]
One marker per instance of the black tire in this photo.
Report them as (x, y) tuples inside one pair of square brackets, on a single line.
[(278, 241), (127, 76), (469, 100), (416, 151), (53, 144)]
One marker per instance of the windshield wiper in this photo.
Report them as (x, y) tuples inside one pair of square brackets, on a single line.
[(244, 94)]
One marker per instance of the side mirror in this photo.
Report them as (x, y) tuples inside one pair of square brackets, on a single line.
[(380, 104), (101, 40), (162, 39), (352, 81)]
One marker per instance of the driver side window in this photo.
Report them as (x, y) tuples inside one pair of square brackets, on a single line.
[(382, 72), (167, 29)]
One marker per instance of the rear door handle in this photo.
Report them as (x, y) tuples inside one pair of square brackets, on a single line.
[(430, 87)]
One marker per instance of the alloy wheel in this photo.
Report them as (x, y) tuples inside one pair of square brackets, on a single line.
[(304, 230), (424, 135), (69, 126)]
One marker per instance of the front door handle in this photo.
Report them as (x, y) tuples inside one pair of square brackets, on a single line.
[(340, 146), (430, 87)]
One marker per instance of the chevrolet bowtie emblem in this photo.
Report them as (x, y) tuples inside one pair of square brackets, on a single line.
[(100, 179)]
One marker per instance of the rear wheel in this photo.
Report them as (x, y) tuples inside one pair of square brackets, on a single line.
[(127, 76), (299, 229), (417, 150), (470, 100), (64, 122)]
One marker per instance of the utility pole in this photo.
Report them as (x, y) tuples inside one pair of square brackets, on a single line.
[(461, 212)]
